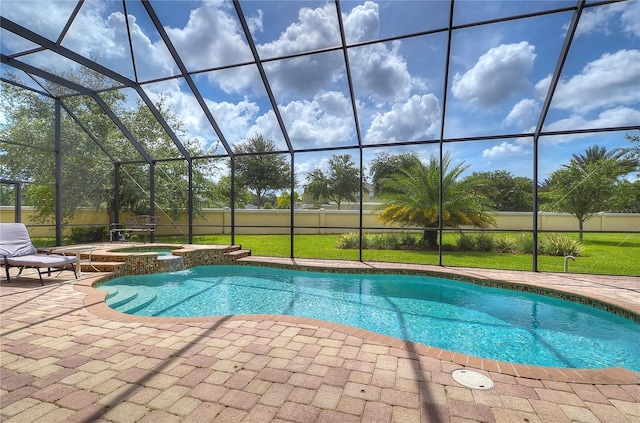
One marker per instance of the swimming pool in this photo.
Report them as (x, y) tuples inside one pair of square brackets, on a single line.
[(486, 322)]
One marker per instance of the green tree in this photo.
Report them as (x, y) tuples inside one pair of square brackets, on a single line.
[(634, 151), (317, 187), (260, 169), (341, 182), (411, 197), (508, 193), (384, 165), (219, 194), (586, 185), (626, 198), (87, 170), (284, 200)]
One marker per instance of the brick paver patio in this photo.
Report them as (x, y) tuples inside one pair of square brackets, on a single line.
[(67, 357)]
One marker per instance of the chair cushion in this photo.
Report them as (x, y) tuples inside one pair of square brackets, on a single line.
[(41, 260), (15, 240)]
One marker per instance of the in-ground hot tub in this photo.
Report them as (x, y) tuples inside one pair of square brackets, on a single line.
[(163, 252), (149, 258), (139, 259)]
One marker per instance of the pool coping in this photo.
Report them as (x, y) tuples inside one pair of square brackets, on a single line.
[(94, 302)]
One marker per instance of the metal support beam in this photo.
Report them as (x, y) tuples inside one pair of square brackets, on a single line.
[(442, 122), (190, 201), (185, 74), (152, 194), (233, 200), (58, 172), (356, 120), (18, 203), (292, 202), (571, 30), (263, 74), (116, 193)]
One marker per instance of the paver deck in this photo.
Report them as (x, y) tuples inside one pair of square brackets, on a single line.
[(65, 356)]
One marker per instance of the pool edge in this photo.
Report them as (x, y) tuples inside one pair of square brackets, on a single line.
[(94, 302)]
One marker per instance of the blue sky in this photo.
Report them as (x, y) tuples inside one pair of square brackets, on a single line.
[(498, 76)]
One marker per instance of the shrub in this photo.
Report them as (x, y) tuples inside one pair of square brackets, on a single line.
[(505, 244), (380, 241), (407, 240), (84, 234), (466, 242), (484, 242), (348, 240), (524, 243), (383, 241), (559, 245)]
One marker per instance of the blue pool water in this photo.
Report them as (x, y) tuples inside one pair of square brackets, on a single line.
[(162, 252), (487, 322)]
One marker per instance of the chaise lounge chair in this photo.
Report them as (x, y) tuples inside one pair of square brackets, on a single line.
[(18, 251)]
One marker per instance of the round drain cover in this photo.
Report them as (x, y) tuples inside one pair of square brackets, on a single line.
[(472, 379)]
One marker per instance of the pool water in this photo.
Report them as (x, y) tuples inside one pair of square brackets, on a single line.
[(162, 252), (486, 322)]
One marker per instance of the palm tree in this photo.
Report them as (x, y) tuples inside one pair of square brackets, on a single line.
[(599, 155), (412, 197)]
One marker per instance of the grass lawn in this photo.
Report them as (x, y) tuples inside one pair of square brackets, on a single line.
[(607, 253)]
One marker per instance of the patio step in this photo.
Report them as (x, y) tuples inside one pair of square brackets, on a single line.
[(238, 254), (123, 296), (143, 299), (99, 266)]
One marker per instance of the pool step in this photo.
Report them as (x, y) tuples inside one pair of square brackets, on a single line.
[(143, 299), (111, 291), (123, 295)]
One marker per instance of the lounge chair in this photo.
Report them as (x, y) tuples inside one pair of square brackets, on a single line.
[(18, 251)]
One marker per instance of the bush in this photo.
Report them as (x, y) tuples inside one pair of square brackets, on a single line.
[(505, 244), (84, 234), (524, 243), (383, 241), (484, 241), (466, 242), (348, 241), (408, 240), (559, 245)]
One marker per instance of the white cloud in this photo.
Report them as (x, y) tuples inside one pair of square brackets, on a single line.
[(304, 76), (523, 113), (234, 119), (505, 149), (212, 38), (255, 22), (499, 73), (327, 119), (613, 79), (47, 18), (631, 18), (315, 28), (363, 23), (381, 73), (93, 35), (618, 116), (609, 18), (416, 118)]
